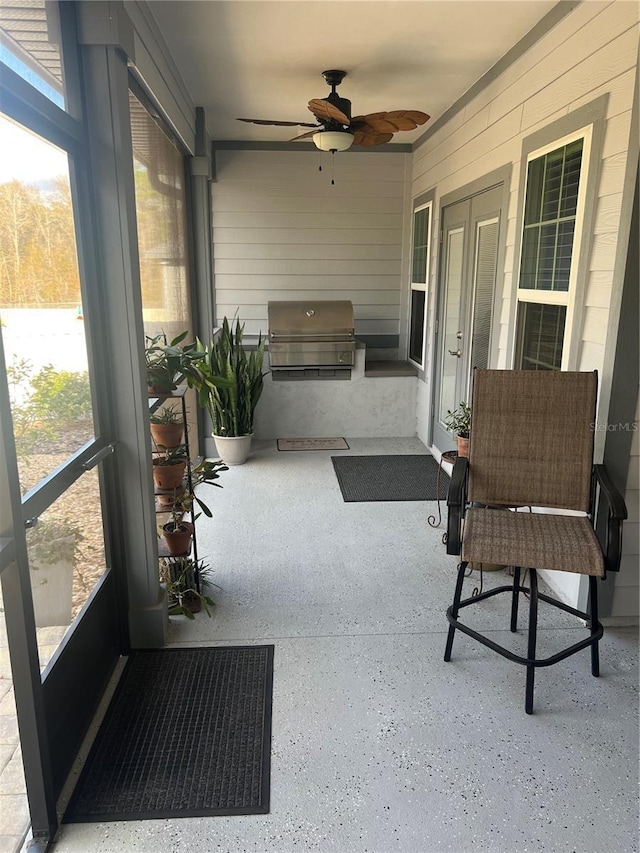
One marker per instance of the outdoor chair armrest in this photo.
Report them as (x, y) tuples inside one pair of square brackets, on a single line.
[(617, 512), (456, 500)]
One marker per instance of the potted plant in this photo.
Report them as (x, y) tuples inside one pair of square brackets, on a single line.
[(54, 553), (229, 381), (166, 426), (180, 575), (458, 421), (168, 467), (178, 531), (168, 363)]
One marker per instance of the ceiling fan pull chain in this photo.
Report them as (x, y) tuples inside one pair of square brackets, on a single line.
[(333, 165)]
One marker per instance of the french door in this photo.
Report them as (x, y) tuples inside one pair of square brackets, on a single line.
[(468, 262)]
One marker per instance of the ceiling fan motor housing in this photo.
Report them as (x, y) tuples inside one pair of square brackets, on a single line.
[(333, 78)]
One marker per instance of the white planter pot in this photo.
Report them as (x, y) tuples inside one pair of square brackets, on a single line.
[(52, 586), (233, 450)]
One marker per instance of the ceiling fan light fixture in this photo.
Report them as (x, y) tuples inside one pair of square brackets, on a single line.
[(333, 140)]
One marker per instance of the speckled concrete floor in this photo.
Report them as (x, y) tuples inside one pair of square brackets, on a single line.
[(378, 745)]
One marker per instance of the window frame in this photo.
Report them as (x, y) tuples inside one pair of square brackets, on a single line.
[(419, 205), (566, 298)]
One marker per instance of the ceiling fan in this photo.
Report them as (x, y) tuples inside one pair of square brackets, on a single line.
[(336, 130)]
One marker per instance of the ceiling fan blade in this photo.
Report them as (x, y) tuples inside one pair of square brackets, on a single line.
[(326, 111), (308, 134), (277, 123), (367, 137), (391, 122)]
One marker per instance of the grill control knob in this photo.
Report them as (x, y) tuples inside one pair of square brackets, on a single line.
[(310, 312)]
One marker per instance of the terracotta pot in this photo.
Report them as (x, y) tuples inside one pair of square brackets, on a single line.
[(166, 435), (463, 445), (168, 476), (192, 603), (178, 539)]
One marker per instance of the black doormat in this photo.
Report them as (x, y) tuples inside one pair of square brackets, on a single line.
[(187, 734), (389, 478)]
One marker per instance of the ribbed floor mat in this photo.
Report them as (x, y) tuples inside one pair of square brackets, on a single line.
[(187, 734)]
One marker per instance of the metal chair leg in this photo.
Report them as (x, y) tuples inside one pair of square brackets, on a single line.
[(531, 647), (515, 599), (593, 612), (454, 609)]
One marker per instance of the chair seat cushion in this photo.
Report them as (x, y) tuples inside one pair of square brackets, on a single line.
[(532, 540)]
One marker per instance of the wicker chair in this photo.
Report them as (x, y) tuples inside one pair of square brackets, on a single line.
[(532, 446)]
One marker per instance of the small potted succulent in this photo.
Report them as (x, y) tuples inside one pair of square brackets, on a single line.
[(169, 465), (167, 426), (180, 575), (458, 422)]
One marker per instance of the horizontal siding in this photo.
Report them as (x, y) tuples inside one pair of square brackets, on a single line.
[(591, 52), (282, 231), (307, 282), (308, 251)]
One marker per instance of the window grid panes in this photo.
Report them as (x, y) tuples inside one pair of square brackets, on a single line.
[(551, 209), (419, 271), (420, 243), (540, 336), (550, 212)]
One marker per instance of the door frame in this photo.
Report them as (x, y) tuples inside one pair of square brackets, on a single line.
[(491, 180)]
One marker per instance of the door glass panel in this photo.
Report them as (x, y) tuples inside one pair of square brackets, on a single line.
[(40, 307), (485, 277), (451, 321), (66, 559), (30, 45)]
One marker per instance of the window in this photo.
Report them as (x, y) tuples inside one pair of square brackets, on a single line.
[(553, 207), (419, 271), (30, 46)]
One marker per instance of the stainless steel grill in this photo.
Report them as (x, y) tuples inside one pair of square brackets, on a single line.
[(311, 336)]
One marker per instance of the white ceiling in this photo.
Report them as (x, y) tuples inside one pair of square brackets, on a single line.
[(264, 58)]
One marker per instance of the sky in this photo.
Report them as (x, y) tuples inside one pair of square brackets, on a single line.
[(26, 157), (23, 156)]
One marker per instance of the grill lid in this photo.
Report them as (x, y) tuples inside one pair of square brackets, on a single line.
[(312, 320)]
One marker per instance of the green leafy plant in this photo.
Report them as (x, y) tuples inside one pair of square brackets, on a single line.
[(54, 540), (458, 421), (171, 455), (184, 500), (168, 415), (229, 380), (168, 363), (179, 574), (44, 402)]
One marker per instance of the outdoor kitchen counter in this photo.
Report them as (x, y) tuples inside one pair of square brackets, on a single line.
[(375, 405), (389, 368)]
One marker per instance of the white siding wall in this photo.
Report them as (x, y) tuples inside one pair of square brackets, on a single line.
[(592, 51), (281, 231)]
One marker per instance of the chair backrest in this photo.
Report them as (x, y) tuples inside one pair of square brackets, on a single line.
[(532, 434)]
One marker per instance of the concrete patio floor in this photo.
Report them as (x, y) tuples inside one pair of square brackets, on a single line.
[(378, 745)]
